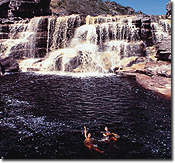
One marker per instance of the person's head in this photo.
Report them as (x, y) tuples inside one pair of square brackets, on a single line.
[(89, 135), (106, 129)]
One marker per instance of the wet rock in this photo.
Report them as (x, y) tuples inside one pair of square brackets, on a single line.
[(2, 69), (155, 18), (73, 64), (6, 21), (9, 64), (154, 68), (154, 76), (146, 34), (137, 22), (158, 68), (164, 50), (157, 84), (136, 61), (4, 31), (161, 35), (135, 49), (165, 25)]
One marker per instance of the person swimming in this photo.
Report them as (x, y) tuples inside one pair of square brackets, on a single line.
[(108, 136), (88, 142)]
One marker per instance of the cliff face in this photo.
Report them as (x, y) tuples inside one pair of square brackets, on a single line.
[(4, 8), (24, 8)]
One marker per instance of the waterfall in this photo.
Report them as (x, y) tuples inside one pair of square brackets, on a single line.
[(99, 30), (161, 30), (30, 35), (75, 43), (166, 25), (8, 45), (61, 31), (85, 33), (22, 39)]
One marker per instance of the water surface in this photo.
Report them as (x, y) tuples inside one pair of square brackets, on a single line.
[(42, 116)]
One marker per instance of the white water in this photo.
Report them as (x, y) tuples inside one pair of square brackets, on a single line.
[(22, 38), (76, 75), (60, 30), (161, 30), (97, 46)]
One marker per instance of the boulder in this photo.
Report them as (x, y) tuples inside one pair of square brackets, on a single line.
[(73, 64), (8, 64)]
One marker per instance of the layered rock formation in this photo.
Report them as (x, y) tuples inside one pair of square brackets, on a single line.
[(28, 8), (24, 8), (4, 8), (24, 39)]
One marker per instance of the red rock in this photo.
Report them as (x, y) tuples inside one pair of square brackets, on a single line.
[(157, 84)]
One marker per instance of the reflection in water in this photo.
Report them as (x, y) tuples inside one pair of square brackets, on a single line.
[(42, 116)]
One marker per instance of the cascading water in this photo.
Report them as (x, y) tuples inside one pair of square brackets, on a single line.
[(161, 30), (97, 46), (14, 40), (30, 35), (22, 39), (74, 43), (61, 30)]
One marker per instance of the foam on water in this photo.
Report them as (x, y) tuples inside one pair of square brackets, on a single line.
[(76, 75)]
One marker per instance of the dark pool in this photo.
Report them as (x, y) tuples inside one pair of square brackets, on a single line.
[(42, 117)]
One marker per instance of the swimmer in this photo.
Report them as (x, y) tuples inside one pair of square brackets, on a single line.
[(88, 142), (108, 136)]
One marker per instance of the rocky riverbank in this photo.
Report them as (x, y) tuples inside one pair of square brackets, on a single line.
[(154, 76)]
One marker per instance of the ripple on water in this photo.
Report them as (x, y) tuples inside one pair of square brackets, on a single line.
[(51, 111)]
